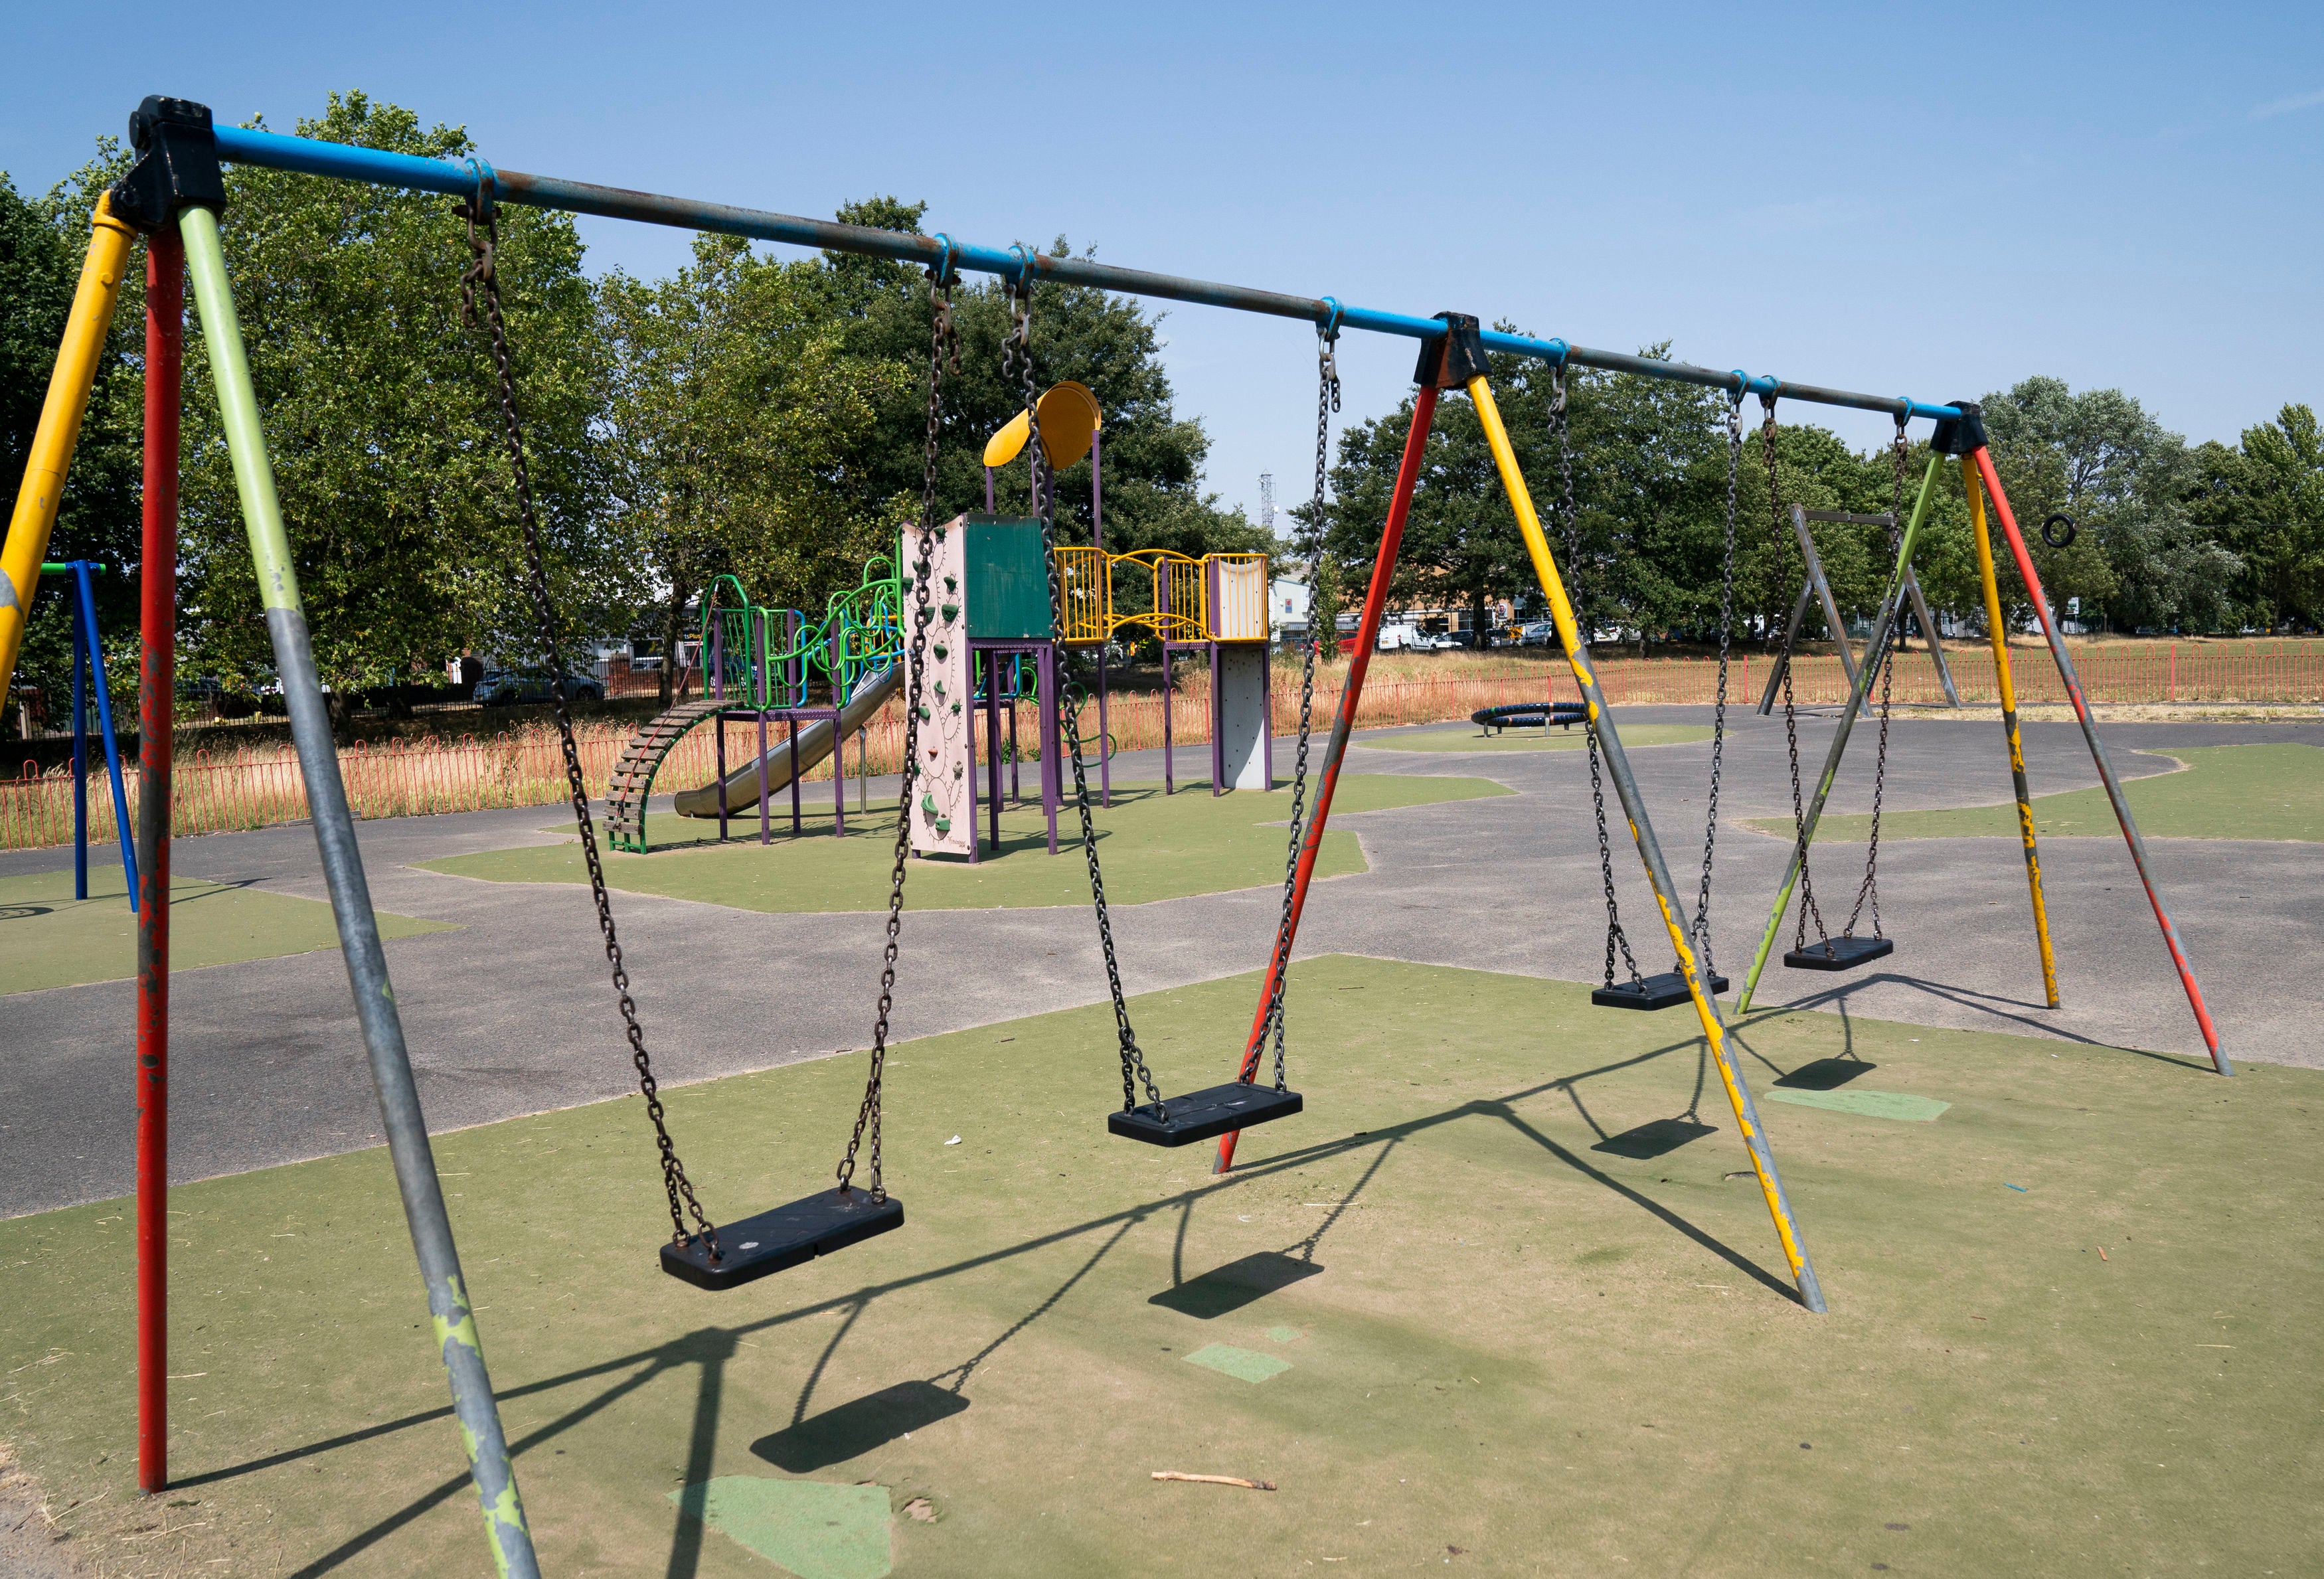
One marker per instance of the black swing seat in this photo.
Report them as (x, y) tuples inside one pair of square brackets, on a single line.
[(1181, 1120), (1666, 991), (786, 1237), (1840, 954)]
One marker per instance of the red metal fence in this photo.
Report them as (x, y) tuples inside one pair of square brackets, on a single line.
[(261, 787)]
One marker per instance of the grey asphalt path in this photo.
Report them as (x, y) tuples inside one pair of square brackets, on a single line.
[(513, 1013)]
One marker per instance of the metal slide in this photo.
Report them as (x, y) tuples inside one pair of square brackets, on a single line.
[(814, 743)]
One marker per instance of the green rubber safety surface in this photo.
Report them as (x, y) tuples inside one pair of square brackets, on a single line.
[(1509, 1342), (1155, 847), (2269, 792), (816, 1531), (1901, 1105), (1242, 1365), (1468, 737), (48, 938)]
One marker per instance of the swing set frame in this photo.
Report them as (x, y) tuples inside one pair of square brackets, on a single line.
[(172, 199)]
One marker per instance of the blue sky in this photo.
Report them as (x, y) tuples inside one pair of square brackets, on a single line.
[(2121, 196)]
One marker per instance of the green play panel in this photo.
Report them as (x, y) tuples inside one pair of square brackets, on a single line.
[(50, 939), (1154, 847), (1509, 1340), (2271, 791), (1468, 737)]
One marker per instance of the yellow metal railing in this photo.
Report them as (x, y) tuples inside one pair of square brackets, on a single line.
[(1085, 577), (1181, 607)]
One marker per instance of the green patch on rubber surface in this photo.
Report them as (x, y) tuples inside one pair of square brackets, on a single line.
[(1470, 738), (48, 938), (1155, 847), (1870, 1104), (1242, 1365), (2267, 791), (817, 1531), (1529, 1342)]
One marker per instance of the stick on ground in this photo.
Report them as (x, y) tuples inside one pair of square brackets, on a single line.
[(1171, 1475)]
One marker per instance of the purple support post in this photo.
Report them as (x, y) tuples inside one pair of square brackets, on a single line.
[(838, 768), (988, 490), (992, 738), (1266, 729), (1218, 736), (1016, 690), (793, 732), (1170, 750), (718, 694), (974, 845), (761, 679), (1052, 776), (81, 755), (1097, 537)]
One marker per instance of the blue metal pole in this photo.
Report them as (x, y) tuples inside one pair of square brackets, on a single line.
[(81, 755), (87, 597), (272, 151)]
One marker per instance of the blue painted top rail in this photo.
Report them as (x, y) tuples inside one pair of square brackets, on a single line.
[(276, 152)]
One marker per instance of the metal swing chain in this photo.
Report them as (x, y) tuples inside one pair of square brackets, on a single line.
[(1016, 358), (1616, 939), (1327, 401), (1870, 889), (1791, 721), (941, 339), (676, 1186), (1701, 928)]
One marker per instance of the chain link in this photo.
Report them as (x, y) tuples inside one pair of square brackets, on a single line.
[(482, 277), (1616, 939), (1870, 890), (943, 343), (1327, 401), (1791, 719), (1701, 930), (1017, 360)]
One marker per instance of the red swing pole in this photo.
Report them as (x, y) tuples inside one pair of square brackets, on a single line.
[(157, 581), (1408, 472), (2017, 551)]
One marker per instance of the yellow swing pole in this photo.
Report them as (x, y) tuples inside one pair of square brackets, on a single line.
[(1997, 625), (1617, 765), (67, 403)]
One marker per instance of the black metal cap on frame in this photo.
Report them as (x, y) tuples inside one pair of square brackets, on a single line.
[(176, 164), (1454, 357), (1961, 435)]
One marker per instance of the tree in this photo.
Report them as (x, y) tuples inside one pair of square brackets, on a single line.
[(1153, 458), (42, 241), (735, 433), (2100, 457), (383, 420), (2263, 500), (1644, 554)]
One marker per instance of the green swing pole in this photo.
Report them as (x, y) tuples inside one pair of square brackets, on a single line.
[(335, 835), (1874, 656)]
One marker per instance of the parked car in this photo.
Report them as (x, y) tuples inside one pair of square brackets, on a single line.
[(1540, 634), (1457, 639), (506, 687), (1400, 636)]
